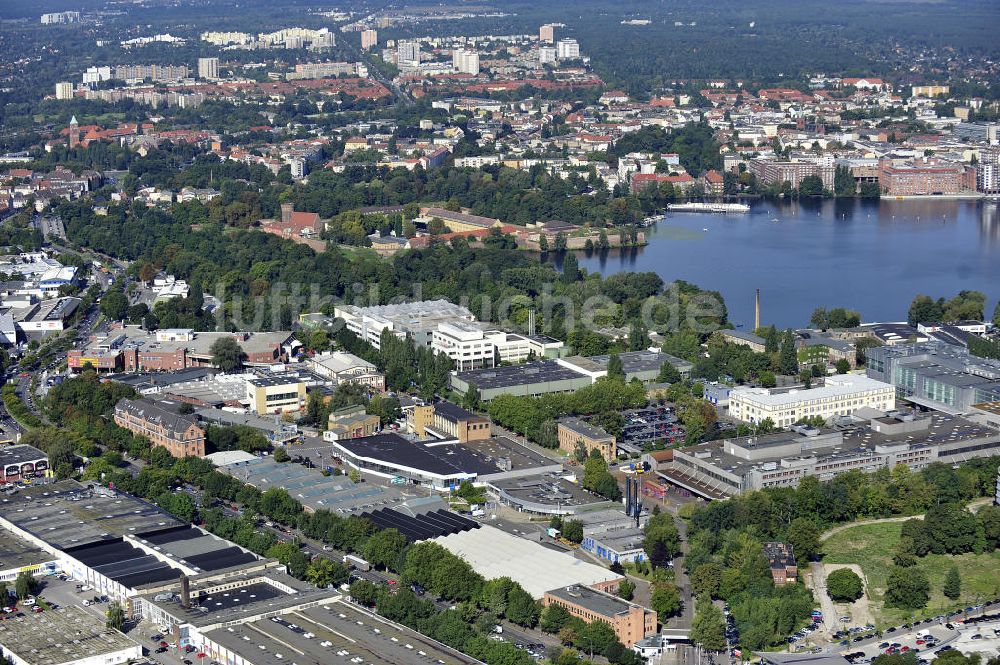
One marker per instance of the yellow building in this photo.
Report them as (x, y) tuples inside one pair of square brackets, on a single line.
[(459, 221), (276, 394), (929, 90)]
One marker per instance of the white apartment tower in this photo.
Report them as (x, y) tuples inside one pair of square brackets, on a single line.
[(64, 90), (465, 62), (408, 54), (546, 55), (208, 68), (567, 49)]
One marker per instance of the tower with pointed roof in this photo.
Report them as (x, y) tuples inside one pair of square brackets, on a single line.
[(74, 132)]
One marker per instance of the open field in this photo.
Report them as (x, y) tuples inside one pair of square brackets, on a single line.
[(871, 546)]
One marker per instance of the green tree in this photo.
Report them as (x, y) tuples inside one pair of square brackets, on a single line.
[(571, 269), (364, 592), (844, 586), (281, 455), (573, 531), (227, 354), (952, 583), (471, 399), (706, 579), (907, 588), (554, 618), (788, 359), (115, 616), (616, 370), (25, 585), (384, 547), (626, 589), (323, 572), (113, 305), (803, 536), (665, 600), (811, 185), (843, 366), (708, 628), (662, 540), (923, 309)]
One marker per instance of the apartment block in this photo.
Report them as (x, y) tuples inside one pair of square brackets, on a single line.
[(64, 90), (923, 177), (208, 68), (546, 33), (369, 39), (181, 435)]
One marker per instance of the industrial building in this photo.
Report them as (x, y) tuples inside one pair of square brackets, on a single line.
[(442, 464), (325, 632), (310, 487), (418, 319), (936, 375), (723, 468), (630, 622), (66, 636), (120, 545), (841, 395), (549, 493), (22, 462), (562, 374), (494, 553)]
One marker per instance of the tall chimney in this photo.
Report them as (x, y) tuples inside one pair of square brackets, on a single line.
[(286, 212), (756, 312), (185, 591)]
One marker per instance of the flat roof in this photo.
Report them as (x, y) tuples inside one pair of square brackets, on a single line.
[(595, 601), (67, 513), (241, 597), (16, 552), (66, 635), (547, 489), (494, 553), (344, 627), (836, 386), (20, 453), (540, 371)]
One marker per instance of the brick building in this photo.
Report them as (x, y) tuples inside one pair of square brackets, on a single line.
[(630, 622), (573, 430), (179, 434), (781, 562), (923, 177)]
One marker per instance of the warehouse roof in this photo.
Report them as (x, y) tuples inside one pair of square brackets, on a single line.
[(494, 553)]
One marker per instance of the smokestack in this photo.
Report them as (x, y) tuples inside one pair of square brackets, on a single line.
[(756, 312), (185, 591), (286, 212)]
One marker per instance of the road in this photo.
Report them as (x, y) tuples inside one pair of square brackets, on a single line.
[(830, 618)]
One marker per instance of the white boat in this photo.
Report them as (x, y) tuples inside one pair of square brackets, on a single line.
[(720, 208)]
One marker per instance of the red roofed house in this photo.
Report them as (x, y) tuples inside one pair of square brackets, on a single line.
[(681, 183), (865, 83), (714, 183), (300, 227)]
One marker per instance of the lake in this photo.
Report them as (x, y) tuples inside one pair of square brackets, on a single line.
[(871, 256)]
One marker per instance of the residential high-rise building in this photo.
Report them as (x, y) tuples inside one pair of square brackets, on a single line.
[(465, 62), (369, 39), (546, 55), (408, 54), (988, 171), (208, 68), (60, 17), (64, 90), (567, 49), (547, 33)]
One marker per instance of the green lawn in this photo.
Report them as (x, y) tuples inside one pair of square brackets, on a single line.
[(871, 547)]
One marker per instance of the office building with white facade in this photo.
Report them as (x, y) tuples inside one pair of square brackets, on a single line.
[(842, 395)]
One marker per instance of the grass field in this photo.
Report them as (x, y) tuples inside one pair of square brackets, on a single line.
[(871, 546)]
